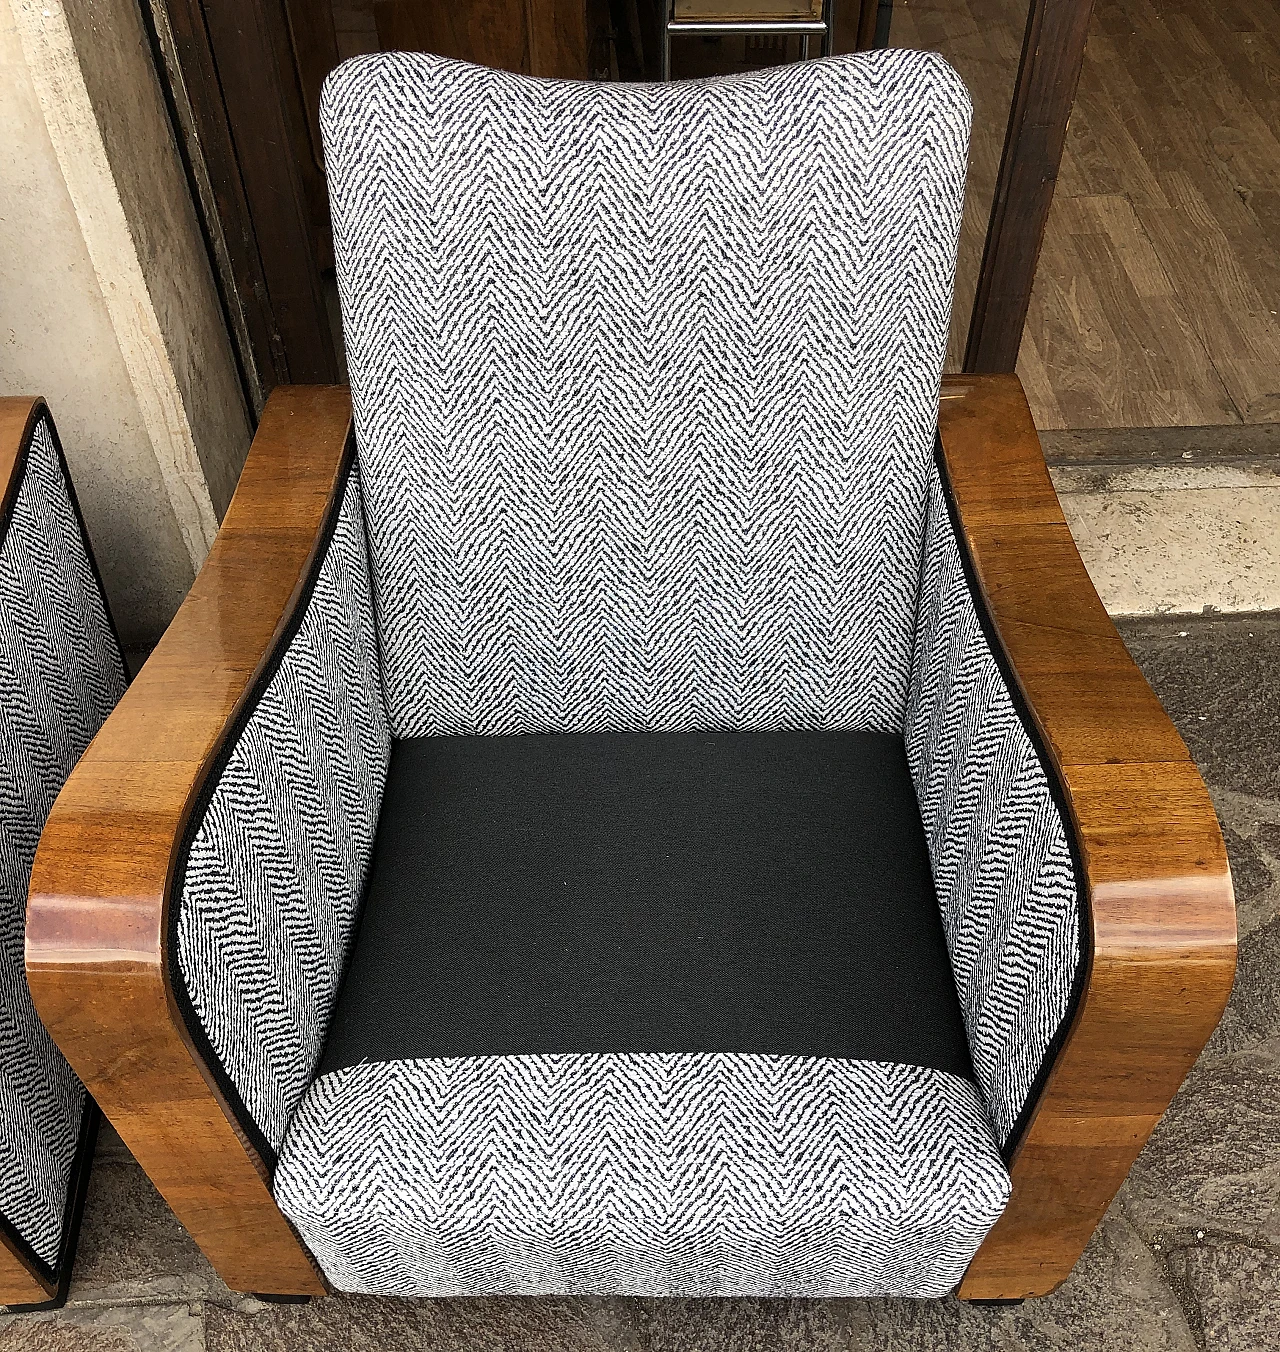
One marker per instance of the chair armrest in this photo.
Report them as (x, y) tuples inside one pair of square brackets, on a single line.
[(18, 416), (103, 878), (1160, 924)]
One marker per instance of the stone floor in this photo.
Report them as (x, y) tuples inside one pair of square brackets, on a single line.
[(1187, 1258)]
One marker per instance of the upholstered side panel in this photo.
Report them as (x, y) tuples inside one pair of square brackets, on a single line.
[(645, 382), (1002, 865), (60, 675), (672, 1174), (272, 879)]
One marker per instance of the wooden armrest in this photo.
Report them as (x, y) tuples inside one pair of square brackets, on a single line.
[(100, 888), (1161, 916), (19, 414)]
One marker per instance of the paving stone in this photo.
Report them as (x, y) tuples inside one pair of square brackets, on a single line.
[(748, 1325), (132, 1247), (1232, 1292), (1116, 1300), (127, 1328), (1252, 1018), (1250, 875), (1251, 829), (1214, 1160), (373, 1324), (1221, 686)]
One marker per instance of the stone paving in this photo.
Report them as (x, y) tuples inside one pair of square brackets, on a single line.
[(1187, 1258)]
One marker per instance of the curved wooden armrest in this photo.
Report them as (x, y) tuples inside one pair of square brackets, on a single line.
[(1161, 917), (19, 414), (96, 918)]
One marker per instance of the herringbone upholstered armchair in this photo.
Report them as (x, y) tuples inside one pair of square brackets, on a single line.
[(656, 806), (60, 674)]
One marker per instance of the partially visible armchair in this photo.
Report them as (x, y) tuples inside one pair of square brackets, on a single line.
[(61, 673), (657, 806)]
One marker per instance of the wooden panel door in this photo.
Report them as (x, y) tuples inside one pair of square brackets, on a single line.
[(563, 39)]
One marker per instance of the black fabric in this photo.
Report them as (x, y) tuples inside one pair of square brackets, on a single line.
[(735, 892)]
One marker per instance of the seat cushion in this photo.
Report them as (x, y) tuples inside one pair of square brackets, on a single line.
[(658, 1013)]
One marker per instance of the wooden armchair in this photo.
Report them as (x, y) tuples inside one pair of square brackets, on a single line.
[(60, 674), (659, 807)]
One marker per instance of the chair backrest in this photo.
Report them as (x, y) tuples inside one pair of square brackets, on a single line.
[(645, 381)]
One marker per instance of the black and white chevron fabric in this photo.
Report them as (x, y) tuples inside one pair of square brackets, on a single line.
[(645, 382), (60, 675), (276, 867), (643, 1173), (1002, 865)]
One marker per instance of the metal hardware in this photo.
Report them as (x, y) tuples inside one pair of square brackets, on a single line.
[(806, 28)]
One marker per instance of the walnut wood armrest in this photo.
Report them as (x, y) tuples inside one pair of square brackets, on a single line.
[(19, 414), (1160, 923), (100, 889)]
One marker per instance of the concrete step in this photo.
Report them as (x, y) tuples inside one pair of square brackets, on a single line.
[(1174, 521)]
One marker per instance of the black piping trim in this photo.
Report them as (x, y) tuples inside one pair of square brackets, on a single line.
[(59, 1275), (212, 776), (1057, 790)]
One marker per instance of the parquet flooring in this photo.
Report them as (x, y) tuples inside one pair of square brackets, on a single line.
[(1156, 300)]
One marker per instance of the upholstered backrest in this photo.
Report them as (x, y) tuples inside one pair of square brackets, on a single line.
[(645, 381), (60, 675)]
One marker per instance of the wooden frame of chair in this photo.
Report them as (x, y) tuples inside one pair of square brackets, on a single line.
[(1161, 921)]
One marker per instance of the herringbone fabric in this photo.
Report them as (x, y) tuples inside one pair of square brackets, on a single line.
[(60, 675), (693, 1174), (1002, 865), (645, 382), (276, 868)]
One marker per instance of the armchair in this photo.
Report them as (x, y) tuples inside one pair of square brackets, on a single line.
[(658, 807), (60, 674)]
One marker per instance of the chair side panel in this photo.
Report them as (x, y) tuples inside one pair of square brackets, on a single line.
[(61, 673), (271, 872), (1007, 881)]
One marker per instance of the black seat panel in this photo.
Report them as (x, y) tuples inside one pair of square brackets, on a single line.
[(724, 892)]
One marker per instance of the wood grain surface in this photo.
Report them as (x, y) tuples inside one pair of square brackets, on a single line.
[(560, 39), (96, 920), (1161, 918)]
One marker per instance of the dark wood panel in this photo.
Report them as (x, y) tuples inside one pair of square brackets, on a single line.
[(100, 886), (1052, 53), (492, 31), (1161, 918), (561, 39)]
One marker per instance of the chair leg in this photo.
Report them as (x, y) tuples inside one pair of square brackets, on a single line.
[(664, 44)]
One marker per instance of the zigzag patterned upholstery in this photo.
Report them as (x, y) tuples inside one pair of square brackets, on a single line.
[(275, 865), (1002, 865), (645, 381), (643, 1174), (61, 673)]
